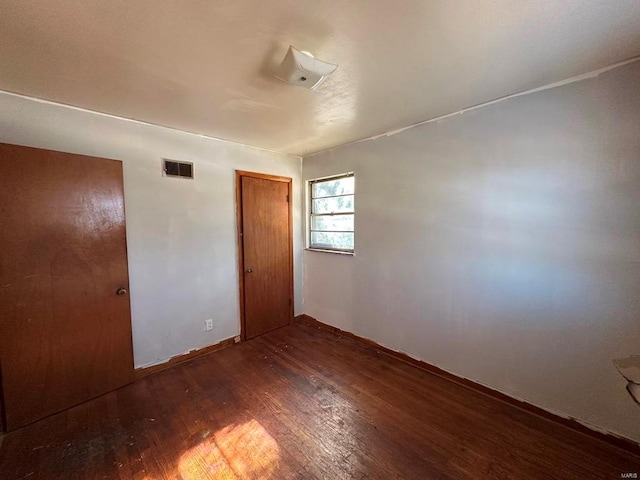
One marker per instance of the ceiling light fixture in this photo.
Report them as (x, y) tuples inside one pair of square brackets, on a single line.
[(301, 68)]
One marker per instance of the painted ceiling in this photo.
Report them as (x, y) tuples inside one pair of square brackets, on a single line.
[(206, 66)]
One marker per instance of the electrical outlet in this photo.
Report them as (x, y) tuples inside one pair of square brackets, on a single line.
[(208, 325)]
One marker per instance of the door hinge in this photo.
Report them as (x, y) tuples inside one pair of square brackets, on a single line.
[(287, 198)]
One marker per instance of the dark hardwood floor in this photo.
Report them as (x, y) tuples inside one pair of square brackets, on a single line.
[(301, 402)]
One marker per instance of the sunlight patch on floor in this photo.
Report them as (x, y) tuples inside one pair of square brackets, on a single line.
[(234, 452)]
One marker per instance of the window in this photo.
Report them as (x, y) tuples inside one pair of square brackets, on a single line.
[(331, 213)]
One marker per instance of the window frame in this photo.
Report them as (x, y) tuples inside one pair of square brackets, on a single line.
[(310, 214)]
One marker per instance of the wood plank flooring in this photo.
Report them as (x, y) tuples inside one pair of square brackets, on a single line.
[(302, 403)]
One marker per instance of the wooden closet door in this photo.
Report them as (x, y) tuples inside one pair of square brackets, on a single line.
[(65, 325), (266, 253)]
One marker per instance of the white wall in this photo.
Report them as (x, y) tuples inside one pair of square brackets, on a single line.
[(181, 234), (502, 245)]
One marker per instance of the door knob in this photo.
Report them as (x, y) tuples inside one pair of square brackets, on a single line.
[(121, 291), (249, 270)]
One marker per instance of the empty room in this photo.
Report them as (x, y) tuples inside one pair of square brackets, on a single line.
[(278, 239)]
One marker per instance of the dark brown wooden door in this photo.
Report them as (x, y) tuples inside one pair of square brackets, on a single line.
[(266, 255), (65, 332)]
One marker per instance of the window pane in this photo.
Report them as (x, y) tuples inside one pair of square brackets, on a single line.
[(333, 204), (339, 241), (340, 186), (335, 223)]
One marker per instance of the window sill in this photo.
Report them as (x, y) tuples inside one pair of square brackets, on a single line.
[(339, 252)]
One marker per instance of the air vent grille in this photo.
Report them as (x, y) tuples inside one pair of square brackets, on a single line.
[(174, 168)]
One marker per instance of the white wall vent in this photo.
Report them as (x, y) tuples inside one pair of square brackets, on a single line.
[(174, 168)]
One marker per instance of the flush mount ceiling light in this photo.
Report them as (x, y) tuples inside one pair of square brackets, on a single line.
[(300, 68)]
